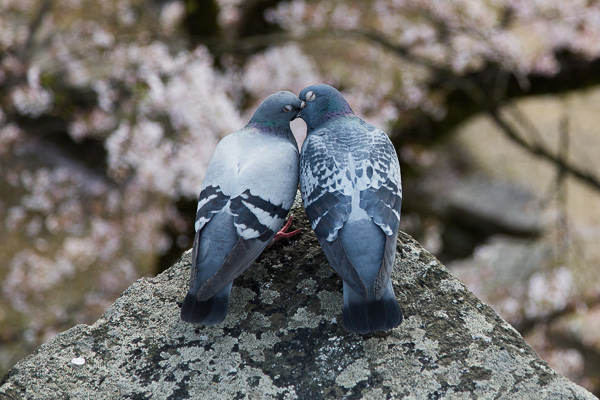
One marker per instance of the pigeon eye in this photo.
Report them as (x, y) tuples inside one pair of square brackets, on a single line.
[(287, 108), (310, 95)]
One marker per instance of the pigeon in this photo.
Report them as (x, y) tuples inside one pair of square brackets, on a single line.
[(249, 187), (351, 191)]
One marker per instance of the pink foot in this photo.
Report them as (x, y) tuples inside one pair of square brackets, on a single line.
[(282, 234)]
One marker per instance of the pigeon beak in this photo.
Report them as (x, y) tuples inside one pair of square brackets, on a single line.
[(302, 104)]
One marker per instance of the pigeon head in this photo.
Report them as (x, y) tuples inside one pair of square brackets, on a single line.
[(323, 102), (276, 111)]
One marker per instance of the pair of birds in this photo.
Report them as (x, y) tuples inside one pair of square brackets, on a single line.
[(351, 189)]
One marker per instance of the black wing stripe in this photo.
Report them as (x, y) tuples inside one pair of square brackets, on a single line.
[(210, 201), (274, 210), (245, 217)]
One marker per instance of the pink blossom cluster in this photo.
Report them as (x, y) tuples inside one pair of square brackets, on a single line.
[(229, 13), (120, 73), (521, 36), (184, 90), (157, 109)]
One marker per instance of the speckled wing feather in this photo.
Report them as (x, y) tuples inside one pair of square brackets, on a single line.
[(323, 182), (350, 183), (381, 192), (345, 179), (322, 186), (382, 199)]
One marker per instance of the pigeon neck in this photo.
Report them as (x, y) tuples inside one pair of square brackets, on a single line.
[(328, 117), (271, 128)]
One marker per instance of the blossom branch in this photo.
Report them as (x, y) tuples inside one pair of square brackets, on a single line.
[(34, 26), (543, 152)]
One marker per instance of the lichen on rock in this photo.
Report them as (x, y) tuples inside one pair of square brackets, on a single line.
[(283, 339)]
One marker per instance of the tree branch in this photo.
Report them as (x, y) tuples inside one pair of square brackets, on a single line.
[(541, 151), (34, 26)]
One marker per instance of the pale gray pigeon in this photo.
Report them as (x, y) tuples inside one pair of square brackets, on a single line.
[(248, 190), (351, 190)]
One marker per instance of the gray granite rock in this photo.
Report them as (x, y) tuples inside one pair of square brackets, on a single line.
[(283, 339), (493, 206)]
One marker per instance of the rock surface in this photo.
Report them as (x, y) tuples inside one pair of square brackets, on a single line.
[(283, 339)]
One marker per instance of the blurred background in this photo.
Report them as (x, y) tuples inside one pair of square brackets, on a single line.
[(110, 111)]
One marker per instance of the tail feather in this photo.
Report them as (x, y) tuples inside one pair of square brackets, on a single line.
[(366, 245), (209, 312), (366, 315), (211, 246)]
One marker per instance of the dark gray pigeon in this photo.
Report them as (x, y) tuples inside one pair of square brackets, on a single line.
[(351, 190), (248, 190)]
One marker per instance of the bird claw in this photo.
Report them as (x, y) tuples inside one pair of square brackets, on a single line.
[(282, 234)]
